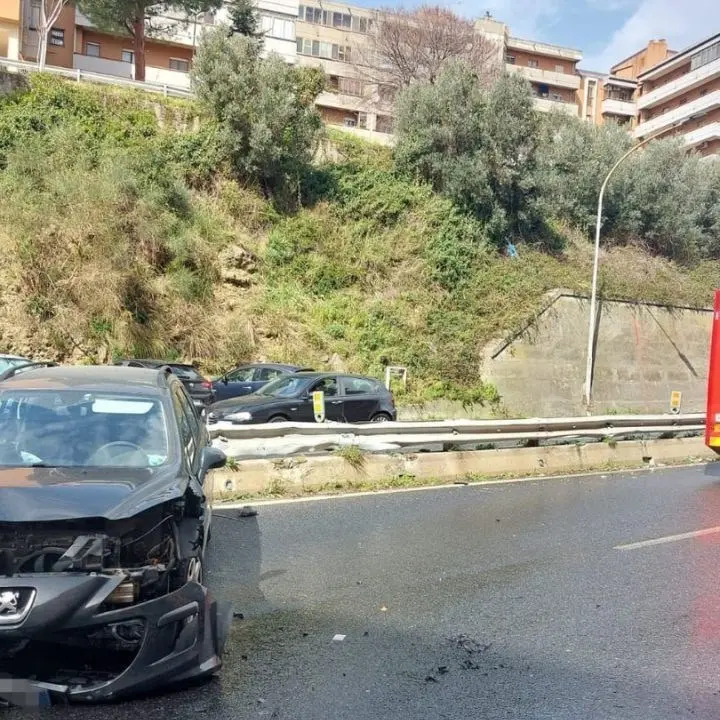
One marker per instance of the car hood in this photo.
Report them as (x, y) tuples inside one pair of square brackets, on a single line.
[(246, 402), (49, 494)]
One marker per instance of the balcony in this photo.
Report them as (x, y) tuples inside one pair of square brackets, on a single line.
[(544, 49), (547, 77), (116, 68), (619, 107), (683, 84), (176, 30), (684, 112), (548, 105), (703, 134)]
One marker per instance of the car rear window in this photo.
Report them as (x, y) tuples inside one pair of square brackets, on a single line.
[(361, 386), (185, 372)]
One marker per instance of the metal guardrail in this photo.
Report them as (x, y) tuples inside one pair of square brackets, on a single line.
[(85, 75), (288, 439)]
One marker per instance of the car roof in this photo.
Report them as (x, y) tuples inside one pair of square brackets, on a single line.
[(312, 374), (157, 363), (89, 377)]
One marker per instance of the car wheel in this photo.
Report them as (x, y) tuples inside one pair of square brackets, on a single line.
[(278, 418), (380, 417)]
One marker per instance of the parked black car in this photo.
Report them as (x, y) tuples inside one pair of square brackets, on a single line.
[(199, 388), (104, 523), (248, 379), (348, 398)]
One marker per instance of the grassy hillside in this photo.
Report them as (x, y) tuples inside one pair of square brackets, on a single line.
[(123, 235)]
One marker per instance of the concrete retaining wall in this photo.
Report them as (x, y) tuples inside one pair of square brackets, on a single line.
[(644, 352), (295, 475)]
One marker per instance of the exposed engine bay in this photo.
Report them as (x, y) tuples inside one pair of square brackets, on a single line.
[(140, 559)]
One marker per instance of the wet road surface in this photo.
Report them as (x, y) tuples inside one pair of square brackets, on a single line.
[(502, 601)]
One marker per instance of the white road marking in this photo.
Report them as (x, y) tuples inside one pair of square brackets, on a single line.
[(234, 505), (668, 539)]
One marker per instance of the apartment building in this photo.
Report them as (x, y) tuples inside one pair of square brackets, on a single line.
[(74, 41), (680, 95), (334, 37), (551, 70), (607, 98)]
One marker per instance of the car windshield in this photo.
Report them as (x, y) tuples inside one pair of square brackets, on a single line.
[(68, 428), (286, 386), (7, 363)]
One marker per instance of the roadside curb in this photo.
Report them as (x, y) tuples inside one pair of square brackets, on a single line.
[(298, 476)]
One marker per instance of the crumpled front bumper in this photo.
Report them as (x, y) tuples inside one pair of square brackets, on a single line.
[(184, 633)]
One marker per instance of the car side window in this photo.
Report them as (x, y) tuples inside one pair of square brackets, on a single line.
[(244, 374), (268, 374), (358, 386), (187, 434), (327, 385)]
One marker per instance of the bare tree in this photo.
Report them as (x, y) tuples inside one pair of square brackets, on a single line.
[(49, 13), (407, 46)]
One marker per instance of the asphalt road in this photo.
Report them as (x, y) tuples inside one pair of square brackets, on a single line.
[(503, 601)]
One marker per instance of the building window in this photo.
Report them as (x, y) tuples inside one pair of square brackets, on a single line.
[(560, 69), (362, 121), (350, 121), (57, 37), (510, 59), (127, 56), (277, 27), (705, 56), (329, 51), (384, 124), (35, 14), (334, 19), (92, 49), (386, 93), (179, 64), (532, 63)]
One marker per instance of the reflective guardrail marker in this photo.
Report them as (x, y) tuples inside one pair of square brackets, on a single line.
[(318, 399)]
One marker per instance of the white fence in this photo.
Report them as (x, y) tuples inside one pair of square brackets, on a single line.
[(79, 75)]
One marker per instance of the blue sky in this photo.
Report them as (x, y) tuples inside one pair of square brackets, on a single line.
[(606, 31)]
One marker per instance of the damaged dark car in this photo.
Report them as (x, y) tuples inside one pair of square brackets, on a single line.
[(104, 524)]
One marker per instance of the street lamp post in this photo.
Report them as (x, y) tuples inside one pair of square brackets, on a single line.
[(596, 261)]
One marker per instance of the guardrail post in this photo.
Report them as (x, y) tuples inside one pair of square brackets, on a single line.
[(164, 90), (78, 75)]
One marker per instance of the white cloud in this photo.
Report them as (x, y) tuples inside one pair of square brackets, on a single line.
[(681, 23)]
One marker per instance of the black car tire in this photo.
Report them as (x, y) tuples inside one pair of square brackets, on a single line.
[(380, 417), (278, 418)]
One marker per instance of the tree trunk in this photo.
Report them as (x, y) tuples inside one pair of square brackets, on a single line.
[(42, 48), (139, 35)]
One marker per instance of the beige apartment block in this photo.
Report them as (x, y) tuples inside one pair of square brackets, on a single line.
[(334, 37), (681, 96)]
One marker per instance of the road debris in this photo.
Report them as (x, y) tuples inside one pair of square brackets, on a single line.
[(338, 638), (247, 511)]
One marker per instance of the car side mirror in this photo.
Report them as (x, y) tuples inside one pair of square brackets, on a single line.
[(213, 458)]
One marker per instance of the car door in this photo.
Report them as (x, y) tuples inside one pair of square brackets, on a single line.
[(236, 383), (359, 399), (330, 386)]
